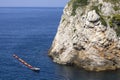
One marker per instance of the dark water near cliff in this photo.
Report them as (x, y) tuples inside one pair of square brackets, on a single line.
[(29, 32)]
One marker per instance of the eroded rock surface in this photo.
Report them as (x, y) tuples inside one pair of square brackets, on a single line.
[(88, 35)]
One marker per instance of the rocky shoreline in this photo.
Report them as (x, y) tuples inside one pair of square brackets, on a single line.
[(89, 35)]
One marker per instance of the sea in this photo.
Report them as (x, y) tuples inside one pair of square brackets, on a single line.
[(28, 33)]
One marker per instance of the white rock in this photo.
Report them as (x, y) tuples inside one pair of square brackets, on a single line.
[(107, 9), (84, 41), (93, 16)]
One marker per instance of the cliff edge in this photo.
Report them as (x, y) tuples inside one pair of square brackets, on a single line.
[(89, 35)]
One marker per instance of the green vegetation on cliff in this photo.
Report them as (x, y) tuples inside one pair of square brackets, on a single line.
[(116, 8), (117, 17), (115, 23), (98, 12), (115, 20), (112, 1), (76, 4)]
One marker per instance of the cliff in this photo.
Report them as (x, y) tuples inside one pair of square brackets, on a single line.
[(89, 35)]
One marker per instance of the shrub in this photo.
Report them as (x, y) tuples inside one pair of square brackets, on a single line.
[(76, 4), (115, 23)]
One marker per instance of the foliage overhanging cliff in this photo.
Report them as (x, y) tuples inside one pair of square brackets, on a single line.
[(89, 35)]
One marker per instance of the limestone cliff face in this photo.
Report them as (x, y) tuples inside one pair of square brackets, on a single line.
[(88, 35)]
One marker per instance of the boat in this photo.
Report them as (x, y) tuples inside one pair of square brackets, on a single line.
[(36, 69)]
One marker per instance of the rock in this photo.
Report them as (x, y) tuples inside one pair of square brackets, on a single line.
[(93, 16), (88, 36), (107, 9)]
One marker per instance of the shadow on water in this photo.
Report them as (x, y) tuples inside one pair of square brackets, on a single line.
[(72, 73)]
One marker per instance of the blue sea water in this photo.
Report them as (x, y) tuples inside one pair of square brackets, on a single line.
[(29, 32)]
